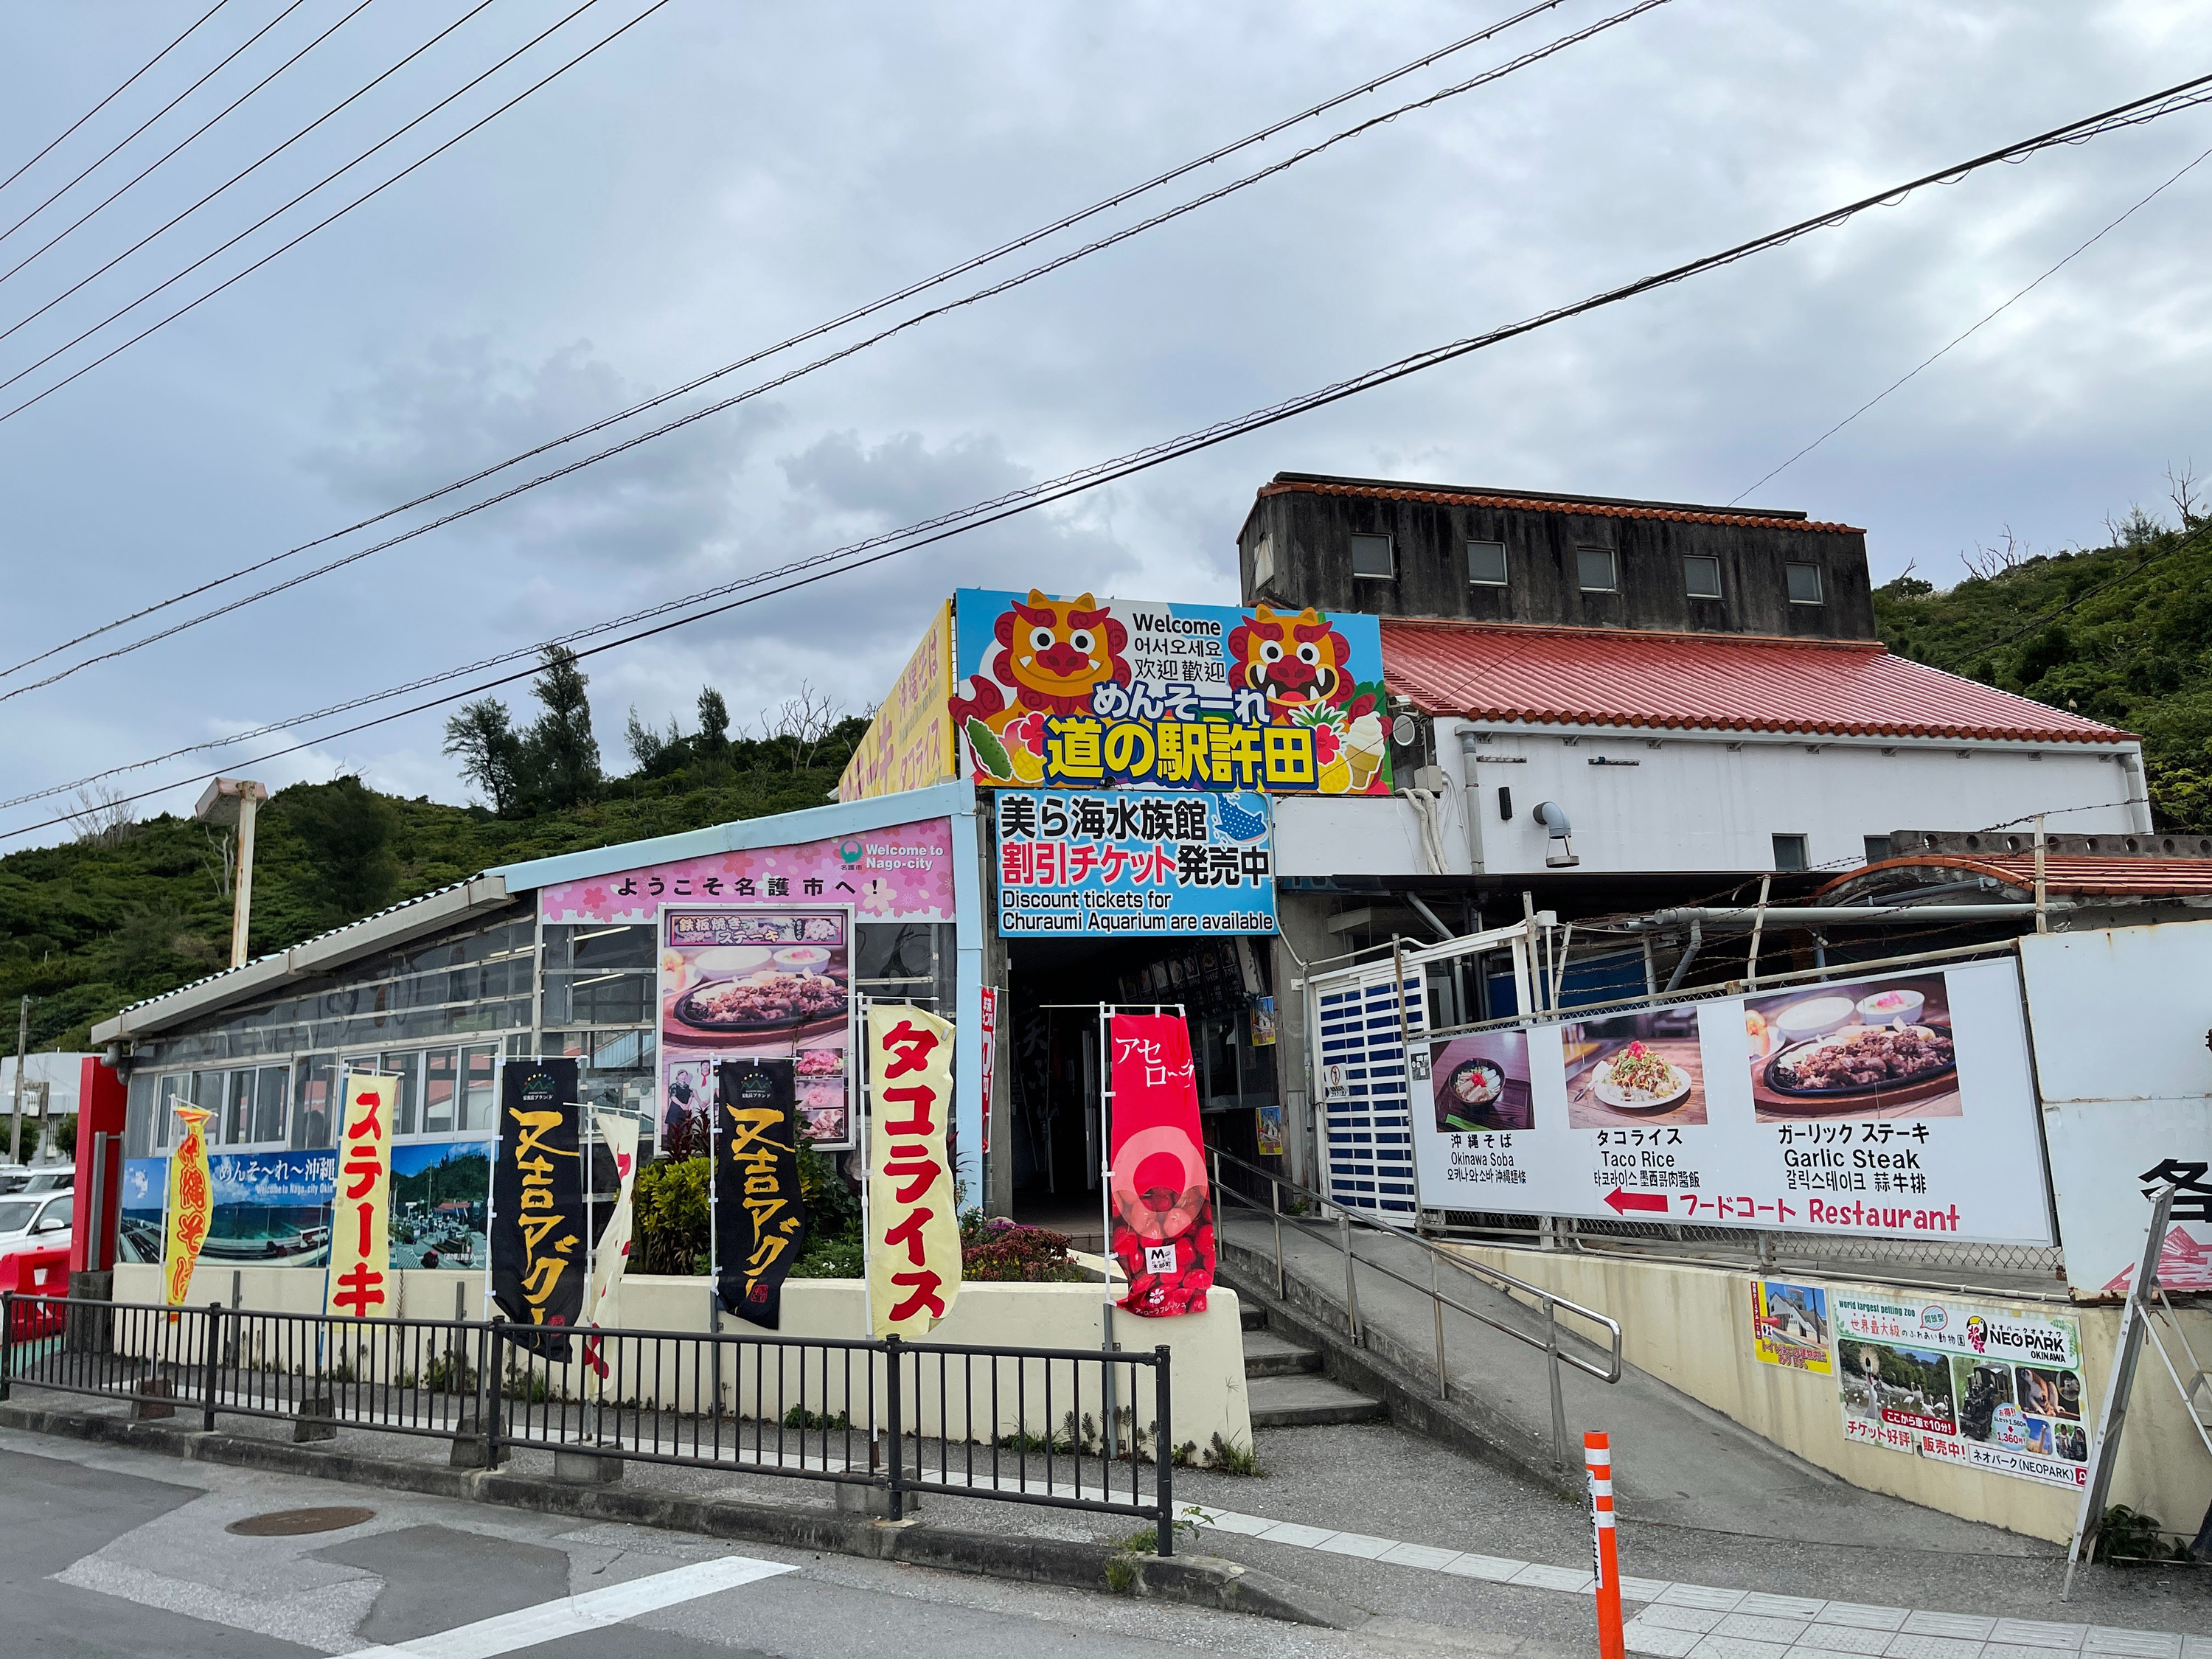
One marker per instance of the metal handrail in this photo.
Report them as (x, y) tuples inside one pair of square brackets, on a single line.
[(1550, 1303)]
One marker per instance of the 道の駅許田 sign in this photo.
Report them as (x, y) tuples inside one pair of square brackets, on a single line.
[(1134, 862)]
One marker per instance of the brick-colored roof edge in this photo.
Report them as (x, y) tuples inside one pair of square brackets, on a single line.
[(1526, 504)]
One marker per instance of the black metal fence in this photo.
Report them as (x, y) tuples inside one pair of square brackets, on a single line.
[(1070, 1427)]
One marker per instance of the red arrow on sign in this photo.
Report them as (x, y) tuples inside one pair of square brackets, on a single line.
[(1624, 1202)]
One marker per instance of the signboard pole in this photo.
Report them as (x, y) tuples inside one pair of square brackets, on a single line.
[(1605, 1549), (1106, 1216), (2134, 1321)]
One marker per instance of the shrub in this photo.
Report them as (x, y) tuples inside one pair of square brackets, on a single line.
[(669, 1210), (999, 1251)]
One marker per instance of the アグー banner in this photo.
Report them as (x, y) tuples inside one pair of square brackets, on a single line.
[(1162, 1202), (1979, 1385), (356, 1285), (1901, 1106), (760, 1215), (913, 1233), (538, 1205), (1087, 693), (190, 1207), (1139, 861)]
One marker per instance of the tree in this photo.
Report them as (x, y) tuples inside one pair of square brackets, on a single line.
[(804, 722), (648, 748), (348, 831), (482, 738), (714, 722), (560, 756)]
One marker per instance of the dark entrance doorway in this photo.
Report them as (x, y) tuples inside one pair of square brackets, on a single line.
[(1054, 989)]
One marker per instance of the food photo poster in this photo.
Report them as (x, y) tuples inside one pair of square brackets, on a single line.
[(741, 983), (1900, 1106)]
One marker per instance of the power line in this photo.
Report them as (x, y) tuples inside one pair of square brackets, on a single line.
[(839, 561), (950, 273), (112, 96), (287, 247), (156, 116), (234, 178), (1970, 332), (849, 350)]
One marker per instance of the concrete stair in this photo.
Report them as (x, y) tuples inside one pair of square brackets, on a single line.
[(1285, 1389)]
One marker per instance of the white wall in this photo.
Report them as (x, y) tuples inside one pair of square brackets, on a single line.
[(1680, 802)]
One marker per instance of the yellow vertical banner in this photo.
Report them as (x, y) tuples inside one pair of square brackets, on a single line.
[(190, 1206), (358, 1283), (914, 1235)]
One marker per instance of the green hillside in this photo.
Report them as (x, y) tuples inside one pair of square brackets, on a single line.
[(2121, 633), (129, 910)]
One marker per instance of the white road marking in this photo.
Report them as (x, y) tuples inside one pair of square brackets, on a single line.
[(550, 1621)]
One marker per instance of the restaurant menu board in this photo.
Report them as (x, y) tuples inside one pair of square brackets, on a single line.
[(1901, 1106), (1984, 1387), (750, 983)]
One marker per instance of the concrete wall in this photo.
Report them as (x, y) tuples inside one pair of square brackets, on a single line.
[(1691, 1328), (1206, 1367)]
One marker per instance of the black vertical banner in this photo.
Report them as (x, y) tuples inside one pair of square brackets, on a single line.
[(760, 1219), (538, 1204)]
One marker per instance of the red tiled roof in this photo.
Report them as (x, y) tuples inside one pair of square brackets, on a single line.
[(1734, 683), (2072, 875), (1538, 504)]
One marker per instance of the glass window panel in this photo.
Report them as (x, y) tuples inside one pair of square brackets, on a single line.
[(269, 1102), (1486, 563), (313, 1093), (609, 999), (609, 947), (1701, 577), (1789, 852), (1805, 584), (1370, 557), (1593, 569), (441, 1077), (238, 1115), (479, 1083), (138, 1116), (408, 1068)]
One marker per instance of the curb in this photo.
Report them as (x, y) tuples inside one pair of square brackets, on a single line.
[(1192, 1580)]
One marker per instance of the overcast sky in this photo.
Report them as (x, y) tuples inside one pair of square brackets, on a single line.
[(725, 174)]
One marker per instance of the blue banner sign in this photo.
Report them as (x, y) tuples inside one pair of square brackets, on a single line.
[(1133, 862)]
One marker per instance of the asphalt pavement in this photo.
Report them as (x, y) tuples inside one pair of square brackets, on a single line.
[(117, 1553)]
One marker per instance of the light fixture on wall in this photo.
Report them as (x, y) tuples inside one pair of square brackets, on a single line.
[(1553, 818)]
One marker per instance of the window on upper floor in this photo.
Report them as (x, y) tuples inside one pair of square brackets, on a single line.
[(1371, 556), (1805, 584), (1263, 561), (1595, 570), (1701, 577), (1486, 563), (1789, 852)]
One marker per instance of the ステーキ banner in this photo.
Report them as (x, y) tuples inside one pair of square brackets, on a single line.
[(361, 1225), (760, 1217), (538, 1205), (1162, 1205), (1085, 693), (1970, 1383), (914, 1235), (1144, 861), (618, 1133), (191, 1206)]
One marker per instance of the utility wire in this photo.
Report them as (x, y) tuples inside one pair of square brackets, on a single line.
[(1970, 332), (156, 116), (850, 349), (838, 561), (856, 314), (112, 96), (234, 178), (322, 224)]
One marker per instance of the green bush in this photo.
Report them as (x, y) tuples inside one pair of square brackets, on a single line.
[(669, 1216)]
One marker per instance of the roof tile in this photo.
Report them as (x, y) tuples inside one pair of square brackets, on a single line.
[(1534, 504)]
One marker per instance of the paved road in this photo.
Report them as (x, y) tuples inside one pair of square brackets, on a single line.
[(116, 1554)]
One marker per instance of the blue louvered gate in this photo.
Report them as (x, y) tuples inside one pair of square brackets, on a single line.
[(1360, 1068)]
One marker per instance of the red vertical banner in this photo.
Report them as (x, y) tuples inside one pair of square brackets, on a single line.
[(989, 1026), (1162, 1206)]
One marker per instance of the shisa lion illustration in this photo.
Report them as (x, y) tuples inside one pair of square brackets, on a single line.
[(1050, 654), (1297, 661)]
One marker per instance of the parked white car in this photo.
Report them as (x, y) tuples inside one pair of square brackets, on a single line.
[(32, 1221), (24, 1178)]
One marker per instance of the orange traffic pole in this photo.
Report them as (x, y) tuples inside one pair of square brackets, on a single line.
[(1605, 1551)]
